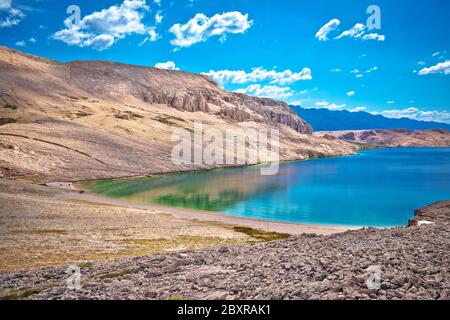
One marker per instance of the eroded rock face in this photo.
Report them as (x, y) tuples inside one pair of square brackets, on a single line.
[(53, 81), (180, 90)]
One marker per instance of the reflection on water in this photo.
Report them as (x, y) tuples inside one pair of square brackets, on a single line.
[(215, 190), (376, 188)]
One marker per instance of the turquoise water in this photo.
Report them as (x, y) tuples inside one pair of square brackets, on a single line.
[(376, 188)]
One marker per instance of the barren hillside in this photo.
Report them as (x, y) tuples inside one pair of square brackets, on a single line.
[(99, 119), (391, 137)]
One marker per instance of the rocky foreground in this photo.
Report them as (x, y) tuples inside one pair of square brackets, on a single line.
[(413, 263)]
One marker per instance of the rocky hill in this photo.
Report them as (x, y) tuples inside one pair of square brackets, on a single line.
[(391, 137), (100, 119)]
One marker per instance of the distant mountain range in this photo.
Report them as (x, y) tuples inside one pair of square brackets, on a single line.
[(327, 120)]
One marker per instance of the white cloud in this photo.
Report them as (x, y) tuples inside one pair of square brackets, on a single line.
[(354, 71), (374, 36), (158, 17), (21, 43), (372, 69), (351, 93), (421, 63), (329, 106), (442, 67), (416, 114), (358, 109), (152, 36), (390, 102), (169, 65), (330, 26), (355, 32), (259, 74), (12, 16), (358, 31), (296, 103), (101, 29), (273, 92), (100, 42), (200, 28), (336, 70), (24, 43), (435, 54), (359, 76), (5, 4)]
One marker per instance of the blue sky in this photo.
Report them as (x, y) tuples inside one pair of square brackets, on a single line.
[(314, 53)]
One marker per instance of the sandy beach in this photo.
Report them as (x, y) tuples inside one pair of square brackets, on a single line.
[(207, 216), (42, 226)]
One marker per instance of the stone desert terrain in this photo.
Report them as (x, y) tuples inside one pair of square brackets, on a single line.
[(413, 263)]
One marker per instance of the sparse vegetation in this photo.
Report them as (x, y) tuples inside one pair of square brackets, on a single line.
[(10, 106), (85, 265), (113, 275), (20, 294), (261, 235), (175, 298)]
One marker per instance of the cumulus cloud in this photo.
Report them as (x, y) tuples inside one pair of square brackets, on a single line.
[(374, 36), (358, 31), (259, 74), (10, 16), (358, 109), (351, 93), (24, 43), (442, 67), (169, 65), (330, 26), (372, 69), (274, 92), (329, 106), (416, 114), (200, 28), (100, 30)]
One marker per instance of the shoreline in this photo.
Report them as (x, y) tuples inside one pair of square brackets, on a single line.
[(205, 169), (291, 228)]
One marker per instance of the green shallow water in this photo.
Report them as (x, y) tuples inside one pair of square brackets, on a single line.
[(376, 188)]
